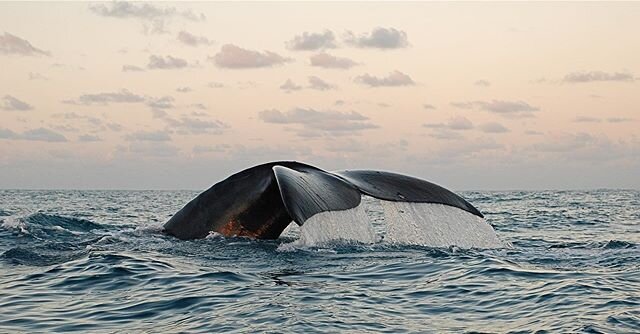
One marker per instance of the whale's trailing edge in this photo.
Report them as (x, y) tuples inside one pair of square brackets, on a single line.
[(261, 201)]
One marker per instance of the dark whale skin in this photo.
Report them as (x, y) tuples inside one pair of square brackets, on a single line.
[(261, 201)]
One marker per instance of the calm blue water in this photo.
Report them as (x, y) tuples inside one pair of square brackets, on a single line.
[(95, 261)]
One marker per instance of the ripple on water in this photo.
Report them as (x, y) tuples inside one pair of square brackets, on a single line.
[(96, 261)]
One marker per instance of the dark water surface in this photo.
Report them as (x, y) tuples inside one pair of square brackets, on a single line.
[(95, 261)]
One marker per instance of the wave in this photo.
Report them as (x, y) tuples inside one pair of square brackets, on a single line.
[(45, 226), (609, 244), (43, 255)]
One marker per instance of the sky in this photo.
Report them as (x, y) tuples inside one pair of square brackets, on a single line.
[(472, 96)]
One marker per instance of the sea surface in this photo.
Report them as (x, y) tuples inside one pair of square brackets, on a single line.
[(97, 262)]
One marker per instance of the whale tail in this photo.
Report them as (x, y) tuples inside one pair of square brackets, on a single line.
[(261, 201)]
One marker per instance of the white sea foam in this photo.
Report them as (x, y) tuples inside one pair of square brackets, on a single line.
[(14, 223)]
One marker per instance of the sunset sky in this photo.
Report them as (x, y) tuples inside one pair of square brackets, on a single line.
[(120, 95)]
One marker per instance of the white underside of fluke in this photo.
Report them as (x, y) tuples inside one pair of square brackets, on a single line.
[(374, 220)]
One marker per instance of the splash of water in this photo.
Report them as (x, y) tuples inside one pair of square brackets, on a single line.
[(374, 220), (350, 226), (436, 225)]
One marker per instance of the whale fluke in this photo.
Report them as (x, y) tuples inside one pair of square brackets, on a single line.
[(261, 201)]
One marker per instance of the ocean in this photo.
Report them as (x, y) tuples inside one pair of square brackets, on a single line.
[(97, 262)]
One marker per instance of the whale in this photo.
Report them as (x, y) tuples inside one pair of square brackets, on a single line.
[(261, 201)]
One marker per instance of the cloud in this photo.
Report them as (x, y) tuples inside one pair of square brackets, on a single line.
[(428, 106), (533, 133), (39, 134), (234, 57), (346, 146), (314, 83), (493, 127), (394, 79), (454, 123), (482, 83), (565, 143), (319, 84), (446, 134), (155, 149), (123, 96), (156, 17), (192, 40), (333, 122), (42, 134), (215, 85), (504, 108), (198, 106), (114, 127), (11, 103), (89, 138), (72, 115), (148, 136), (290, 86), (586, 119), (201, 149), (594, 76), (312, 41), (166, 63), (8, 134), (160, 105), (190, 125), (326, 60), (619, 119), (37, 76), (14, 45), (380, 38), (132, 68)]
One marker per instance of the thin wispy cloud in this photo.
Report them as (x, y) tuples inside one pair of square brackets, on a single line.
[(326, 60), (501, 107), (454, 123), (89, 138), (14, 45), (446, 134), (12, 103), (619, 119), (335, 122), (37, 76), (235, 57), (379, 38), (122, 96), (155, 18), (38, 134), (148, 136), (184, 89), (482, 83), (586, 119), (193, 125), (132, 68), (312, 41), (393, 79), (598, 76)]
